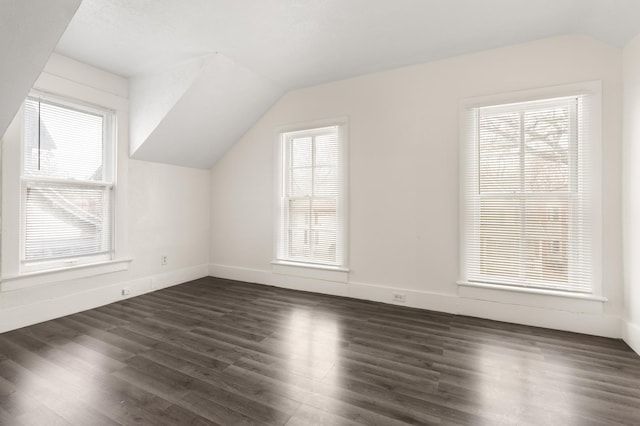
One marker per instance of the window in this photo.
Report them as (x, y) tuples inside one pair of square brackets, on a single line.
[(312, 190), (529, 212), (67, 184)]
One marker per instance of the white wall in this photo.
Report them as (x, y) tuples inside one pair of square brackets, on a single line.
[(631, 182), (404, 180), (403, 187), (162, 210)]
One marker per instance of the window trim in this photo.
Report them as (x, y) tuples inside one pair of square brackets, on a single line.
[(467, 107), (302, 268), (60, 87), (108, 182), (47, 276), (310, 270)]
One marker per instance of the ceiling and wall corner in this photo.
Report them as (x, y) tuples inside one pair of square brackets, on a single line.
[(29, 32), (270, 47), (404, 181), (192, 114), (154, 94)]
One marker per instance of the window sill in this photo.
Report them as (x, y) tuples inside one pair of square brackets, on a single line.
[(533, 297), (308, 270), (36, 278)]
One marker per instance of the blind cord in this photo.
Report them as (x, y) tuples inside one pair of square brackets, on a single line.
[(39, 136)]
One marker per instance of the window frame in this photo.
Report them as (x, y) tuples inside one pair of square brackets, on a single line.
[(281, 262), (592, 123), (108, 183)]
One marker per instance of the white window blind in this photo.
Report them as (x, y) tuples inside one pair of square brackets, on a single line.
[(67, 182), (312, 197), (529, 196)]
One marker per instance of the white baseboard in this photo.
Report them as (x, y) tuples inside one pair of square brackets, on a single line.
[(631, 335), (414, 298), (48, 309), (580, 322), (260, 276), (601, 325), (577, 322)]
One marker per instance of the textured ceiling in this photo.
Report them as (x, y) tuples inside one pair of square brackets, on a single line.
[(287, 44), (302, 42)]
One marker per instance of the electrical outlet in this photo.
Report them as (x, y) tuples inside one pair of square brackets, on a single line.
[(398, 297), (126, 291), (164, 260)]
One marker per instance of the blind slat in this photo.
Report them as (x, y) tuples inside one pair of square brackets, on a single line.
[(67, 194), (310, 224), (528, 196)]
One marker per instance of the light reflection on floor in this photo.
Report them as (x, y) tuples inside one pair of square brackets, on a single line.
[(511, 385), (48, 376), (313, 342), (319, 360)]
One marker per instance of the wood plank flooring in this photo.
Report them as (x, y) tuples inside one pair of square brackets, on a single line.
[(214, 351)]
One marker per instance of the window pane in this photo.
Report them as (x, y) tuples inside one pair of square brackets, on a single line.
[(310, 221), (64, 143), (325, 246), (327, 150), (499, 151), (31, 142), (301, 152), (547, 149), (325, 215), (529, 195), (65, 220), (500, 222), (301, 184), (326, 182), (299, 244), (299, 211), (546, 240)]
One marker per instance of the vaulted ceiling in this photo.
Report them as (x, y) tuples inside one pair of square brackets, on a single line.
[(203, 71), (29, 31)]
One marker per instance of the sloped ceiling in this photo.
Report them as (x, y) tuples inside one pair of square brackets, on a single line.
[(29, 31), (219, 105), (224, 47)]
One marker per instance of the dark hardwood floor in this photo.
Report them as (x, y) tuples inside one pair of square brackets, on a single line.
[(220, 352)]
